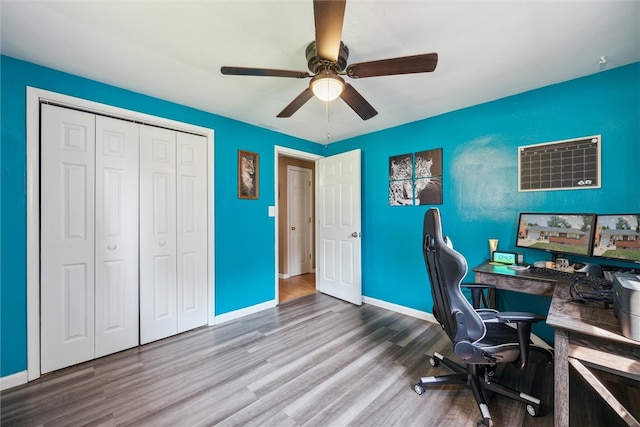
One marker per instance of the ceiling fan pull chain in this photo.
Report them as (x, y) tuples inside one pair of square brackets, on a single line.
[(326, 112)]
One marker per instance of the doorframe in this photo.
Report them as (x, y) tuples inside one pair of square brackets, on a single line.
[(298, 154), (34, 97), (309, 200)]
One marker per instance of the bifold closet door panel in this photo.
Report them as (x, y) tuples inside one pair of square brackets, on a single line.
[(67, 187), (158, 292), (192, 231), (116, 317)]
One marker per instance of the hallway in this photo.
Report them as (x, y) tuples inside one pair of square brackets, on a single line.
[(297, 286)]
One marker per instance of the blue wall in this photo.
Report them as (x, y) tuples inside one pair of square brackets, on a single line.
[(236, 221), (480, 199), (480, 178)]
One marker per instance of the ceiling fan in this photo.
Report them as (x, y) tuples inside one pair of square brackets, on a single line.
[(327, 61)]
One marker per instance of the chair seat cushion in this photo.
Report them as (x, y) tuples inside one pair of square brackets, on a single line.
[(501, 341)]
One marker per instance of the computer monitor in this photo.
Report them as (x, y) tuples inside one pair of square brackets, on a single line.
[(558, 233), (617, 236)]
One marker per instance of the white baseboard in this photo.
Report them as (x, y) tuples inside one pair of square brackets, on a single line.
[(14, 380), (233, 315), (400, 309)]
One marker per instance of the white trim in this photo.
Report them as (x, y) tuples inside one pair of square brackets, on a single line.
[(34, 97), (400, 309), (211, 240), (283, 276), (33, 233), (237, 314), (298, 154), (13, 380), (307, 201)]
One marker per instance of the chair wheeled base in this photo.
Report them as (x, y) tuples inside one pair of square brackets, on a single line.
[(478, 378)]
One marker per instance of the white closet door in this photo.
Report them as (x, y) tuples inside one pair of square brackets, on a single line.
[(158, 294), (192, 231), (116, 236), (67, 189)]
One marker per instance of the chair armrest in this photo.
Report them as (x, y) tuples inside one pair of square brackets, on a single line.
[(524, 321), (477, 293), (519, 316), (471, 285)]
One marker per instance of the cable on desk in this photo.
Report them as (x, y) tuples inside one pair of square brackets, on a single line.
[(584, 292)]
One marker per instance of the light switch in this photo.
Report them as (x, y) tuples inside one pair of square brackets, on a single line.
[(272, 211)]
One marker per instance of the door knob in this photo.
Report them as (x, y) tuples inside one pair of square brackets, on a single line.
[(293, 228), (162, 243), (112, 246), (356, 234)]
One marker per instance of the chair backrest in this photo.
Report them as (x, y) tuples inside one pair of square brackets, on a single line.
[(447, 268)]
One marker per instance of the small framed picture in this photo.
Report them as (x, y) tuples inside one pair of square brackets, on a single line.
[(247, 175)]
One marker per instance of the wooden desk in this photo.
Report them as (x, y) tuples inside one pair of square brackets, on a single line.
[(502, 277), (588, 336), (585, 336)]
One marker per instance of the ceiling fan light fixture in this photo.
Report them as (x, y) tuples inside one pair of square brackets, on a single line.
[(327, 86)]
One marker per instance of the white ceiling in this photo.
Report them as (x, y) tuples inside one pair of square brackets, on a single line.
[(174, 51)]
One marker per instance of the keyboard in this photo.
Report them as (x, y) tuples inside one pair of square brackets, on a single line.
[(592, 281)]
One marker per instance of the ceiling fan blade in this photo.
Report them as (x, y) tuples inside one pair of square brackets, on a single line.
[(243, 71), (329, 16), (360, 105), (386, 67), (298, 102)]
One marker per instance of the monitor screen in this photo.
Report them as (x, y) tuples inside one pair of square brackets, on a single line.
[(555, 232), (617, 236)]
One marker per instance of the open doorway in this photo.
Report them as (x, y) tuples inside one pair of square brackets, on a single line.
[(295, 249)]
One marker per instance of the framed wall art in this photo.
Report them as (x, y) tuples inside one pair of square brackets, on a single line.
[(248, 181), (401, 180), (428, 177), (416, 178)]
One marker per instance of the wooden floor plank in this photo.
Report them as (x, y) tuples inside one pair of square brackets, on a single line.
[(311, 361)]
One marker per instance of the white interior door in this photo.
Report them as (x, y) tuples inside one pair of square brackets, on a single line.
[(192, 231), (116, 247), (158, 292), (299, 216), (339, 227), (67, 237)]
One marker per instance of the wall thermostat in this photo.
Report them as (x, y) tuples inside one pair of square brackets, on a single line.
[(508, 258)]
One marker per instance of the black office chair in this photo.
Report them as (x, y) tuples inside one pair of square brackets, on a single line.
[(482, 338)]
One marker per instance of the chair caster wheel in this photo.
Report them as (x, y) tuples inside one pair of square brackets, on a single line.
[(418, 388), (491, 371), (434, 361), (485, 422), (533, 410)]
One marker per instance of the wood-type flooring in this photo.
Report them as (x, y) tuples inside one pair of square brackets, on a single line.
[(296, 286), (312, 361)]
